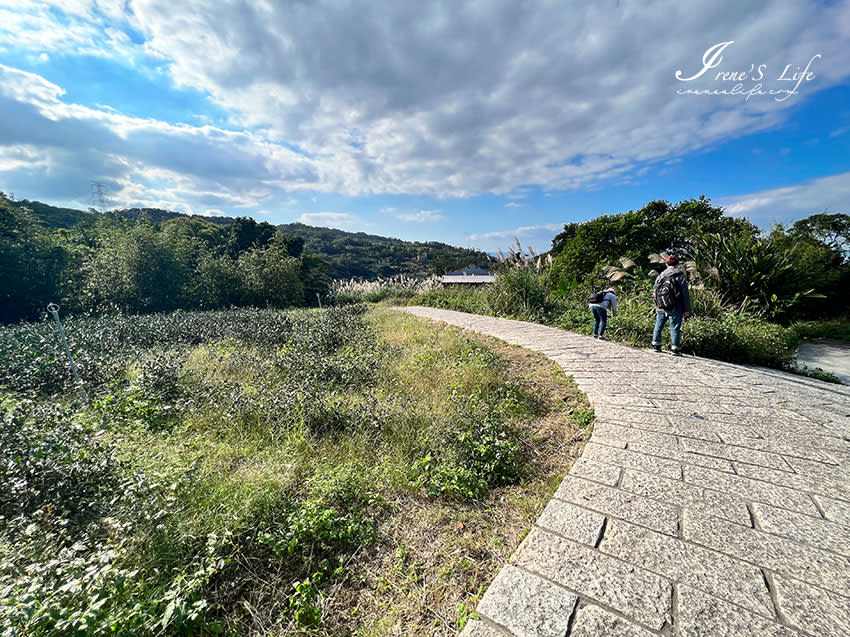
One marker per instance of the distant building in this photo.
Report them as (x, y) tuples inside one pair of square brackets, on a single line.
[(470, 275)]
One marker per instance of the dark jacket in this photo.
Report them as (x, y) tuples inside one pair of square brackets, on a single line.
[(680, 279)]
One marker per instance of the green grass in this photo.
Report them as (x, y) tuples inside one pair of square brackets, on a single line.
[(334, 472), (713, 332), (838, 329)]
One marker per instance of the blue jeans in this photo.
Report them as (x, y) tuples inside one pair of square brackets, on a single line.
[(675, 317), (600, 320)]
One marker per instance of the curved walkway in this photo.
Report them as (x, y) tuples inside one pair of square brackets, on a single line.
[(711, 499)]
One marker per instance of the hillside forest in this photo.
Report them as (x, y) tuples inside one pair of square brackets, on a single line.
[(151, 260)]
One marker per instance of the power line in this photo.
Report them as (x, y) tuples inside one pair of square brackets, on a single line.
[(99, 198)]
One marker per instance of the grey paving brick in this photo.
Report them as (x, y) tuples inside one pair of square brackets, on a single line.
[(632, 460), (779, 554), (703, 615), (750, 489), (779, 446), (688, 496), (526, 604), (592, 621), (805, 529), (572, 521), (739, 454), (829, 472), (626, 588), (622, 504), (676, 453), (835, 510), (797, 482), (606, 429), (475, 628), (687, 563), (596, 471), (700, 452), (812, 609)]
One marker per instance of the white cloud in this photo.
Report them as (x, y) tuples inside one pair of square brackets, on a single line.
[(328, 219), (140, 160), (521, 232), (356, 88), (557, 94), (421, 216), (539, 237), (512, 204), (790, 203)]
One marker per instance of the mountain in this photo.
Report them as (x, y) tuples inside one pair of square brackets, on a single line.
[(351, 254)]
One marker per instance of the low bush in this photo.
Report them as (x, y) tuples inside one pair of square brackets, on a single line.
[(713, 332), (838, 329), (223, 483)]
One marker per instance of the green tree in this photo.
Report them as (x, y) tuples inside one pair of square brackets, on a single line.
[(658, 226), (32, 265), (270, 276), (141, 269)]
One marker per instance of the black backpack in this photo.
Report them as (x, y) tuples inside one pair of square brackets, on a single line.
[(668, 294), (597, 297)]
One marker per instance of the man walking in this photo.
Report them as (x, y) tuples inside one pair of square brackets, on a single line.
[(673, 303), (600, 303)]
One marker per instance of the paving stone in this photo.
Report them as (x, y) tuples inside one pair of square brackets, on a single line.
[(835, 510), (480, 629), (526, 604), (632, 460), (608, 430), (676, 453), (751, 489), (572, 521), (818, 567), (774, 445), (592, 621), (688, 496), (813, 609), (622, 504), (739, 454), (797, 482), (687, 563), (626, 588), (805, 529), (703, 615), (820, 470), (596, 471), (697, 453)]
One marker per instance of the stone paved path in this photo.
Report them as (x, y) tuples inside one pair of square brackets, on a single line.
[(711, 499)]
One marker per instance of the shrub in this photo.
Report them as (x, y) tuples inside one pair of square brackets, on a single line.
[(838, 329), (521, 293)]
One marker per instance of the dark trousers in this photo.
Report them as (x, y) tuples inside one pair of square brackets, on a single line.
[(600, 320)]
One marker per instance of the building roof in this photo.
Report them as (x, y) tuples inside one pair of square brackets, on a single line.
[(471, 269)]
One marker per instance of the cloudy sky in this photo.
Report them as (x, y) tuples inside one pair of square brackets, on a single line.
[(468, 123)]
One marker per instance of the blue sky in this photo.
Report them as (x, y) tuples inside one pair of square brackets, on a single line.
[(464, 123)]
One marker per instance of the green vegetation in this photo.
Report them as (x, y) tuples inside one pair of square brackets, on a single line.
[(357, 254), (838, 329), (746, 289), (269, 472), (151, 260)]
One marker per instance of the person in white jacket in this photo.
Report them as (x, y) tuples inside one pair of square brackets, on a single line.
[(600, 313)]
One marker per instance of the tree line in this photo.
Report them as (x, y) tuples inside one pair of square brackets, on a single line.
[(787, 272), (112, 262)]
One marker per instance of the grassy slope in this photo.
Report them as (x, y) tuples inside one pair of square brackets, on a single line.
[(252, 501)]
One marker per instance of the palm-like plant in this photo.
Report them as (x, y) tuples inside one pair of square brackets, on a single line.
[(752, 273)]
